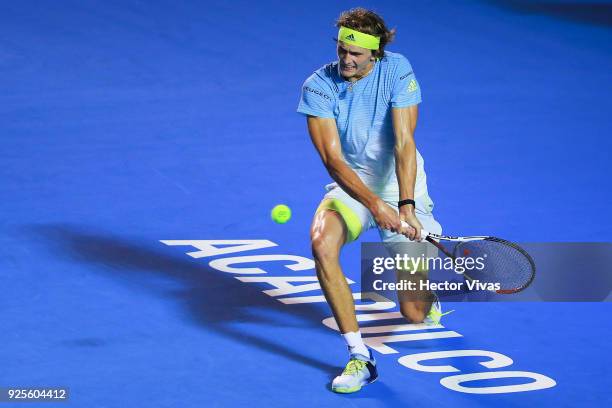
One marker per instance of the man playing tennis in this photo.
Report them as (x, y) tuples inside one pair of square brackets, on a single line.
[(361, 115)]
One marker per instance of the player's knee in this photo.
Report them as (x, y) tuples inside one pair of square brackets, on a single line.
[(412, 313), (323, 249), (326, 237)]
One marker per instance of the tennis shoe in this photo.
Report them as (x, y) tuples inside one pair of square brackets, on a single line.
[(359, 371), (435, 313)]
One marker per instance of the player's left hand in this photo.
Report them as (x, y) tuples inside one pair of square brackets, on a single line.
[(413, 231)]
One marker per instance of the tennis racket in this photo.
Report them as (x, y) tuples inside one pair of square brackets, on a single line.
[(505, 262)]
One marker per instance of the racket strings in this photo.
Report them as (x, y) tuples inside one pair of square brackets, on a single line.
[(503, 262)]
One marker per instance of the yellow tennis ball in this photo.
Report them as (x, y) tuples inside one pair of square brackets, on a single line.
[(281, 214)]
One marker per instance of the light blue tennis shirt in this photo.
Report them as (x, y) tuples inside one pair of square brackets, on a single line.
[(362, 111)]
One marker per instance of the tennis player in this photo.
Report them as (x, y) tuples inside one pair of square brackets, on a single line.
[(361, 114)]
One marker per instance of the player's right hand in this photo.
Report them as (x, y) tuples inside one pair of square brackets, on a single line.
[(386, 217)]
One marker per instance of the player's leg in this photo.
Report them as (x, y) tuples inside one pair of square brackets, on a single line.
[(416, 310), (417, 305), (338, 220), (414, 303), (328, 234)]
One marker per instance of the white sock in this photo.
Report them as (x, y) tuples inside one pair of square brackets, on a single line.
[(355, 343)]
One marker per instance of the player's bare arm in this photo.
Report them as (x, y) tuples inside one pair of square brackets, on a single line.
[(404, 125), (324, 136)]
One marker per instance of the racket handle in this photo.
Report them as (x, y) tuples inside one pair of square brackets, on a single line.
[(424, 233)]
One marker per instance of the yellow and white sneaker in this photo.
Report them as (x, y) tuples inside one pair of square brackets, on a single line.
[(435, 313), (359, 371)]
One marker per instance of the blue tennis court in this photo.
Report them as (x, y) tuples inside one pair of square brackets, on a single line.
[(143, 144)]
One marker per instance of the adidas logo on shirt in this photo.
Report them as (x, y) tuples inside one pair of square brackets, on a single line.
[(412, 86)]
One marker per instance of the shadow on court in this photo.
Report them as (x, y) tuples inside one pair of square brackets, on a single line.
[(212, 298)]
